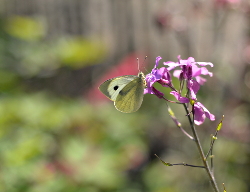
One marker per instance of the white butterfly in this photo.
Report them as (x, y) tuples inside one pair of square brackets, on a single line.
[(126, 91)]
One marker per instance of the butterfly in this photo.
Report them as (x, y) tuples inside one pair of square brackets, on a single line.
[(126, 91)]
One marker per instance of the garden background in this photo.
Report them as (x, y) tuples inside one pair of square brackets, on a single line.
[(58, 133)]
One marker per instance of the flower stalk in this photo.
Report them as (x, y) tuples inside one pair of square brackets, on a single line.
[(189, 75), (201, 152)]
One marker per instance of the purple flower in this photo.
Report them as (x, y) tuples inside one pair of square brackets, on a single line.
[(189, 69), (191, 73), (161, 76), (200, 113)]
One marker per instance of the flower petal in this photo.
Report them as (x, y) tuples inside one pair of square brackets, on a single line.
[(158, 93), (179, 97), (200, 80), (207, 113), (157, 61), (154, 91), (205, 63), (171, 65), (177, 73), (193, 85), (199, 116)]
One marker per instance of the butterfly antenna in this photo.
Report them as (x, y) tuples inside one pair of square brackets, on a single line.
[(144, 63), (138, 65)]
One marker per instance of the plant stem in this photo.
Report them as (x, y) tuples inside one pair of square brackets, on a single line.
[(203, 158)]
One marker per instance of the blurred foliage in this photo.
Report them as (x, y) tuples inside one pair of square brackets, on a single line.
[(50, 144), (75, 51), (25, 28), (25, 51)]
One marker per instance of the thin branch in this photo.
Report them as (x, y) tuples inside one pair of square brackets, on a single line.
[(214, 137), (189, 165), (211, 155), (177, 123), (198, 144), (172, 164)]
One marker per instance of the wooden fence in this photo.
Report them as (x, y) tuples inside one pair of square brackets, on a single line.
[(153, 27)]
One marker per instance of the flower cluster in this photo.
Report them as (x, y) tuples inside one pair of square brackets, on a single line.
[(189, 74)]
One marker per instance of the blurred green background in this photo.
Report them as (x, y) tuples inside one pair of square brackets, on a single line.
[(58, 133)]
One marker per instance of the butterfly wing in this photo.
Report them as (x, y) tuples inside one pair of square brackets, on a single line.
[(130, 97), (112, 87)]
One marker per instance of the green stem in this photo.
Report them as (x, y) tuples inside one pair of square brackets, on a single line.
[(203, 158)]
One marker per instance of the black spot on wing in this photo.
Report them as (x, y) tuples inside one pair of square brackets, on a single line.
[(116, 87)]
